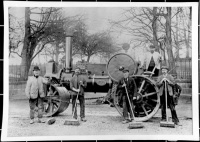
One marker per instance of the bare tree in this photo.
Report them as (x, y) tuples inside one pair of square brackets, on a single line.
[(40, 30), (141, 24), (42, 26), (99, 43), (16, 31), (156, 26), (169, 39), (86, 45)]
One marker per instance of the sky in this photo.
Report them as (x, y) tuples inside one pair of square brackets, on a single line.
[(97, 20)]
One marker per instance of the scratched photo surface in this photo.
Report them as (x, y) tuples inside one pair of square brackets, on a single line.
[(91, 49)]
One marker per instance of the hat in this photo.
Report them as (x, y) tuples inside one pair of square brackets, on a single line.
[(36, 68), (151, 46), (76, 68), (121, 68), (164, 67), (125, 70)]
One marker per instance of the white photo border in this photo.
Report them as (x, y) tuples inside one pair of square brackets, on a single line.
[(195, 95)]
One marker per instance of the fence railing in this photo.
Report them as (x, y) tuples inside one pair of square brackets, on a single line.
[(184, 68), (15, 72)]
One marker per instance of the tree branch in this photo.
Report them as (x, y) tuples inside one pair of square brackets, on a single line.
[(40, 50), (176, 13), (15, 53)]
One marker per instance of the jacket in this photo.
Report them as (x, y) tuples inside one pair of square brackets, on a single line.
[(177, 92), (130, 85), (34, 87), (169, 86), (75, 82), (156, 57)]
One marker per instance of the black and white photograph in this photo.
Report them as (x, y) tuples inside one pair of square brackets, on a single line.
[(100, 71)]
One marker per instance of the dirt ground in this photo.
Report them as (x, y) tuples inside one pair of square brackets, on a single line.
[(101, 120)]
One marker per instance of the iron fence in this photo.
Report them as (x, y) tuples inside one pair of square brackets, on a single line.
[(15, 72), (184, 68)]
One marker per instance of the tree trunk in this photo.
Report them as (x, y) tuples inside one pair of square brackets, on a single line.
[(28, 47), (186, 37), (88, 58), (189, 32), (57, 52), (186, 44), (25, 66), (171, 62), (177, 35), (154, 27)]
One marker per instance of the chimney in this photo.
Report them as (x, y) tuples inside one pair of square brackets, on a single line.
[(68, 53)]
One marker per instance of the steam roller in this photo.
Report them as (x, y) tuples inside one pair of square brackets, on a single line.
[(58, 97), (57, 101)]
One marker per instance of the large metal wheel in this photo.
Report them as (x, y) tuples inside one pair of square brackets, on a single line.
[(149, 100), (56, 101), (117, 61)]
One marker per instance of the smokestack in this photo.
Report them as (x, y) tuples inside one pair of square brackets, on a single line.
[(68, 52)]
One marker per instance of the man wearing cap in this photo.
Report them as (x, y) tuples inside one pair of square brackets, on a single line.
[(170, 83), (130, 84), (152, 59), (35, 93), (77, 86)]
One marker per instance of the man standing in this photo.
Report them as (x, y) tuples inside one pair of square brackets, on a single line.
[(170, 83), (77, 85), (35, 93), (152, 59), (131, 87)]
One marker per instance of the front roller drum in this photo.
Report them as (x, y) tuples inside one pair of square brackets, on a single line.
[(56, 101), (149, 100)]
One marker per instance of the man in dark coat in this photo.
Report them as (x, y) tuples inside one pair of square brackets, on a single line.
[(130, 84), (77, 85), (170, 84)]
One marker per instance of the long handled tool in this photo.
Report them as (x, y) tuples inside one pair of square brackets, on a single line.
[(153, 71), (143, 82), (134, 124), (150, 72), (75, 105), (73, 121), (166, 123)]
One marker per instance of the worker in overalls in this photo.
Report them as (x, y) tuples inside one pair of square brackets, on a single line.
[(170, 84), (35, 93), (151, 60), (131, 87), (77, 86)]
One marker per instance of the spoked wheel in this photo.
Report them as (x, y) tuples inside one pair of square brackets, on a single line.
[(56, 101), (149, 100)]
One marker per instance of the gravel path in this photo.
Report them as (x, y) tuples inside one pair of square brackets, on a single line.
[(101, 120)]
